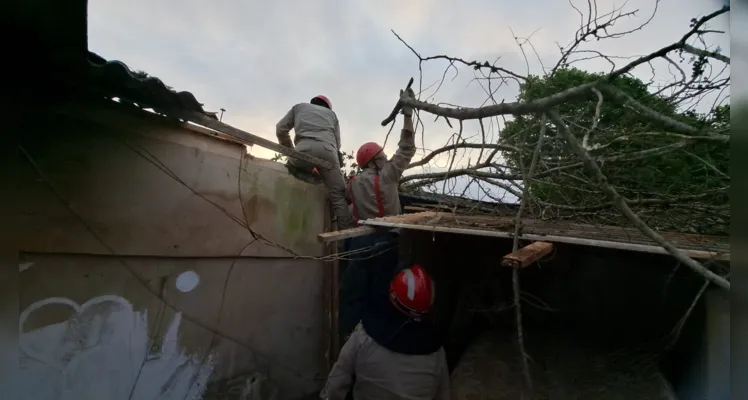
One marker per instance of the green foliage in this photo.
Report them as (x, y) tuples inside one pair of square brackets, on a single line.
[(349, 167), (620, 133)]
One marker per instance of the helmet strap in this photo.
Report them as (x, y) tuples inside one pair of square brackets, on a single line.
[(418, 317), (374, 160)]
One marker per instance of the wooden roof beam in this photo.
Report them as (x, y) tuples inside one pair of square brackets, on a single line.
[(364, 230)]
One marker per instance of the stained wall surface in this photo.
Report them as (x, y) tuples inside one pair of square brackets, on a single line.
[(157, 262)]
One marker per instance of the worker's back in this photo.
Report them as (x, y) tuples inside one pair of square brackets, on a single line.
[(315, 122), (384, 374), (373, 372)]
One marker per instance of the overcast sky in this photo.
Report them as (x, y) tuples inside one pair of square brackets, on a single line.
[(257, 59)]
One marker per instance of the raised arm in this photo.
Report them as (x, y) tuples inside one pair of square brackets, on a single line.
[(406, 148), (283, 127)]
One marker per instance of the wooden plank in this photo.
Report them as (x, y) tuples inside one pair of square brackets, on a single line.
[(654, 249), (407, 218), (250, 139), (238, 135), (345, 234), (335, 308), (103, 112), (527, 255), (597, 232), (328, 237), (330, 286)]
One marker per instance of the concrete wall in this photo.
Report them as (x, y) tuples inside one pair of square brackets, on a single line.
[(718, 344), (704, 355), (139, 277)]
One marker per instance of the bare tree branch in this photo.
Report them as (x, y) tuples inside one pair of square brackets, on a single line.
[(706, 53), (452, 147)]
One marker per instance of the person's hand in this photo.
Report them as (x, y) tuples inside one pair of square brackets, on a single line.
[(407, 94)]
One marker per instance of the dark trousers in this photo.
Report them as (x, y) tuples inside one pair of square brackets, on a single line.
[(377, 253)]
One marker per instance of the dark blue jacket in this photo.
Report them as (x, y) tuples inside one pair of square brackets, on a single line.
[(385, 324)]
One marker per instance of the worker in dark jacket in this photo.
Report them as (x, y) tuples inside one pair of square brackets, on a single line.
[(373, 193), (395, 353), (360, 274), (317, 133)]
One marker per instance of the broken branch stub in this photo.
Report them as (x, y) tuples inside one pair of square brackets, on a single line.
[(397, 107)]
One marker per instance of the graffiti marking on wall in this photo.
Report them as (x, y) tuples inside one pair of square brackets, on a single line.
[(100, 353)]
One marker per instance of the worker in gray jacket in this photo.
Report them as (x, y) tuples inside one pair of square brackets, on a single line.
[(374, 192), (394, 353), (317, 133)]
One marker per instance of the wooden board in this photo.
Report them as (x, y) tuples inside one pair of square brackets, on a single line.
[(327, 237), (345, 234), (406, 218), (527, 255), (204, 121), (645, 248), (414, 208)]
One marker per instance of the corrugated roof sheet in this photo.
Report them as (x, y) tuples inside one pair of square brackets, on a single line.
[(115, 79)]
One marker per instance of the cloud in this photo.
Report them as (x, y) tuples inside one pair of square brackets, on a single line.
[(257, 59)]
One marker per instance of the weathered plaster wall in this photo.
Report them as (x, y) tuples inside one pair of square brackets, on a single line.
[(139, 277), (124, 171)]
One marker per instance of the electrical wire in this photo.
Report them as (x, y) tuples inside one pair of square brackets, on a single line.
[(145, 284)]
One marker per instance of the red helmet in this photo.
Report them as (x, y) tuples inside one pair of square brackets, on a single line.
[(325, 99), (412, 292), (366, 153)]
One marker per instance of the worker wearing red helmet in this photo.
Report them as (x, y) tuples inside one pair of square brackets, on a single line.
[(317, 133), (394, 353), (374, 192)]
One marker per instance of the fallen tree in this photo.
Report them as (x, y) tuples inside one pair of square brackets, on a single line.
[(639, 151), (600, 147)]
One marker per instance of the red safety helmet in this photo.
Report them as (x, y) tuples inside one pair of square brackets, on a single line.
[(412, 292), (366, 153), (325, 99)]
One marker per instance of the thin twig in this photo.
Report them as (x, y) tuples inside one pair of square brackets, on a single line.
[(515, 247)]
